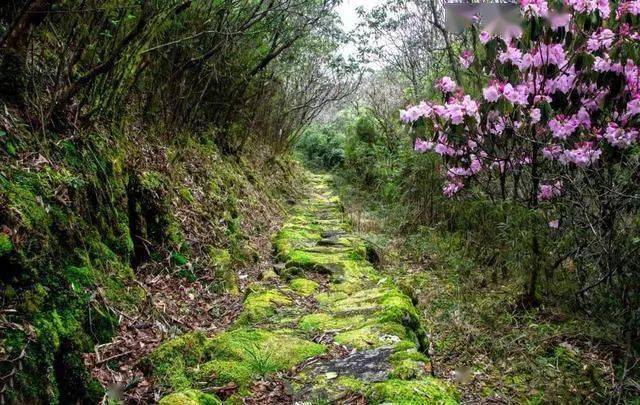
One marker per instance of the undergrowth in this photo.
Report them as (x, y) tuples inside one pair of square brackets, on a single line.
[(482, 337), (83, 218)]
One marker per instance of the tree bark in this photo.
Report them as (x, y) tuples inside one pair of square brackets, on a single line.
[(32, 14)]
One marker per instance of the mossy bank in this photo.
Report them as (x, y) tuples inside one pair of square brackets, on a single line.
[(82, 217)]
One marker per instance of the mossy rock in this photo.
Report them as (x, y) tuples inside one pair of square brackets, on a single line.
[(190, 397), (238, 356), (429, 391), (303, 286), (246, 354), (261, 305), (171, 361)]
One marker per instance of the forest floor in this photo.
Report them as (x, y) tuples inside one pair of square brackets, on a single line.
[(339, 314), (321, 326)]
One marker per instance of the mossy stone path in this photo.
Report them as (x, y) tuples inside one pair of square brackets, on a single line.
[(328, 318)]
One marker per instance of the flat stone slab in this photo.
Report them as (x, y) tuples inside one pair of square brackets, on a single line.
[(367, 365)]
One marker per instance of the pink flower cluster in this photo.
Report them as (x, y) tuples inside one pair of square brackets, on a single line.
[(584, 155), (561, 113), (620, 137), (628, 7), (549, 191), (446, 85), (516, 95), (534, 8), (561, 127), (549, 54), (589, 6), (601, 39)]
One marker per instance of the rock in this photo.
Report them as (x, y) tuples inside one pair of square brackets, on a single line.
[(368, 365), (268, 275), (279, 267), (332, 233), (330, 241)]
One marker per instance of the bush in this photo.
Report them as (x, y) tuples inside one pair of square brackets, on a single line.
[(322, 148)]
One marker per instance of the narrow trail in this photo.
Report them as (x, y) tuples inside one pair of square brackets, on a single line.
[(324, 327)]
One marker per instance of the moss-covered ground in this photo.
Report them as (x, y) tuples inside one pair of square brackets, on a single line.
[(83, 225), (325, 288)]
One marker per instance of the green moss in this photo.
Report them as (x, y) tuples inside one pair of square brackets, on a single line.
[(408, 352), (226, 277), (171, 361), (178, 259), (260, 305), (186, 195), (23, 192), (323, 321), (242, 355), (190, 397), (427, 391), (396, 307), (268, 275), (151, 180), (407, 369), (6, 246), (371, 336), (303, 286), (33, 300), (80, 276)]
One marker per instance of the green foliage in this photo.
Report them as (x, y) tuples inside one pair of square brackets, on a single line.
[(322, 148), (6, 246)]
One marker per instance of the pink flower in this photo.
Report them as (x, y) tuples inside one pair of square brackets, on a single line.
[(443, 149), (475, 166), (517, 95), (563, 83), (588, 6), (452, 188), (484, 37), (535, 8), (491, 93), (584, 155), (601, 39), (548, 191), (555, 224), (425, 109), (446, 85), (552, 152), (633, 107), (469, 105), (454, 112), (525, 62), (602, 64), (535, 115), (561, 20), (466, 59), (512, 54), (562, 127), (630, 7), (617, 136), (498, 126), (458, 172), (411, 114), (552, 54), (423, 146)]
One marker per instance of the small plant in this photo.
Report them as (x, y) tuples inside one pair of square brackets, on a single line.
[(260, 360)]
